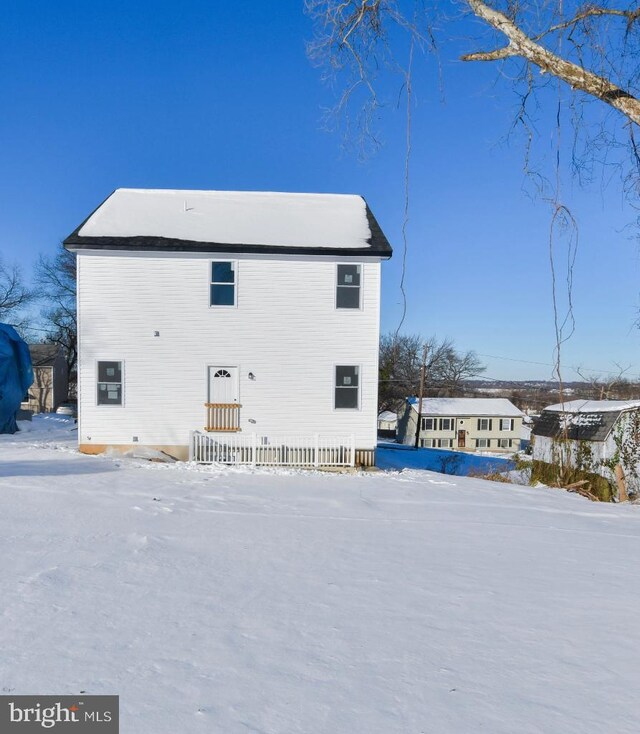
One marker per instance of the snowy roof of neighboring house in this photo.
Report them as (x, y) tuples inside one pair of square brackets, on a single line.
[(575, 426), (500, 407), (594, 406), (582, 420), (43, 355), (388, 416), (232, 221)]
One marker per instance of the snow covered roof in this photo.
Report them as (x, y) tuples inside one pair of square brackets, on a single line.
[(594, 406), (582, 420), (388, 416), (500, 407), (232, 221)]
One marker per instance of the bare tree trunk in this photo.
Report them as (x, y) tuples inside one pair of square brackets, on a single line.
[(520, 44)]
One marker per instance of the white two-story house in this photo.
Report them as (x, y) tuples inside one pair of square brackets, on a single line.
[(230, 326)]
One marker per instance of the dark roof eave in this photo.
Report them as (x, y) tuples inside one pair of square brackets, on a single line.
[(378, 243), (167, 244)]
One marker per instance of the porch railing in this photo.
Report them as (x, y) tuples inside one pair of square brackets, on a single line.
[(304, 451), (223, 417)]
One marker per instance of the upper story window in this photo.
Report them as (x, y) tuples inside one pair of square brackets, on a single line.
[(446, 424), (348, 286), (223, 283), (347, 388), (428, 424), (506, 424), (485, 424), (109, 383)]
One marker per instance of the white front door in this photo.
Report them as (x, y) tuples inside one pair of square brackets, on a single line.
[(223, 385)]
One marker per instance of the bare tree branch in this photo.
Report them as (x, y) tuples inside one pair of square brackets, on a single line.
[(14, 295), (520, 44), (593, 12), (56, 278)]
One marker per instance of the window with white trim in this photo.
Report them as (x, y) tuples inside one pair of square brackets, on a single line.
[(428, 424), (447, 424), (485, 424), (506, 424), (347, 387), (483, 443), (222, 290), (348, 286), (109, 383), (504, 443), (445, 443), (427, 443)]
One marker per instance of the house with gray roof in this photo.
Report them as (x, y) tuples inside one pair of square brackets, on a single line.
[(50, 380), (463, 424), (593, 436)]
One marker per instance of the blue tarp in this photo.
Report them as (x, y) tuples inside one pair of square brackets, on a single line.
[(16, 376), (398, 456)]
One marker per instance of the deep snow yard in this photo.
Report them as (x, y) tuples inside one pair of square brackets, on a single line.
[(238, 602)]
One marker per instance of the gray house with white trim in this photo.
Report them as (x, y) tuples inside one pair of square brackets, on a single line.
[(463, 424), (50, 379)]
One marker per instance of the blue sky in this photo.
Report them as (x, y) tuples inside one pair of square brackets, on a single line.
[(219, 95)]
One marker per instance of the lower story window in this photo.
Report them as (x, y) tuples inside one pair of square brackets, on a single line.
[(109, 383), (347, 387), (445, 443), (504, 443), (483, 443), (426, 443)]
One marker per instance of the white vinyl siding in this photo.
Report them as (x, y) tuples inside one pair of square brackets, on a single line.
[(285, 331)]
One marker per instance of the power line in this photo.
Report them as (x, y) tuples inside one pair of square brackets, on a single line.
[(549, 364)]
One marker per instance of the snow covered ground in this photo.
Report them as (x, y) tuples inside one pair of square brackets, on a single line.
[(253, 601)]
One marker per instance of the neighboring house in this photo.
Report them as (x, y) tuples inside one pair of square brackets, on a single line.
[(387, 424), (463, 424), (230, 326), (593, 436), (50, 382)]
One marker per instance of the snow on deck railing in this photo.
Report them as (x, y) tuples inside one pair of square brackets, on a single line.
[(310, 451)]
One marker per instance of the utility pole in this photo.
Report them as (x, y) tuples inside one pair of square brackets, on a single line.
[(423, 375)]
